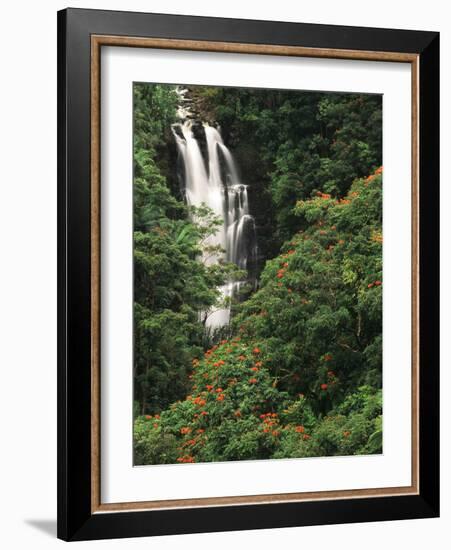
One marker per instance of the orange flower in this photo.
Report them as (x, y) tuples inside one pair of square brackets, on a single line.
[(300, 429), (370, 285), (324, 387), (346, 434), (209, 387), (147, 417), (204, 413), (256, 350), (242, 358), (328, 357), (220, 397), (218, 390), (155, 425), (186, 459), (185, 431), (305, 437), (322, 195), (377, 283), (258, 364), (199, 401), (252, 380), (237, 413), (254, 369), (200, 431), (377, 238), (275, 433)]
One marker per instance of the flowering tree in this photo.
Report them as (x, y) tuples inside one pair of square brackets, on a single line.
[(303, 375)]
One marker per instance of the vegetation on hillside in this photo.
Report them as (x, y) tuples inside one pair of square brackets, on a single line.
[(299, 371)]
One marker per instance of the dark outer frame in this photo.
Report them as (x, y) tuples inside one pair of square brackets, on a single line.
[(76, 518), (98, 42)]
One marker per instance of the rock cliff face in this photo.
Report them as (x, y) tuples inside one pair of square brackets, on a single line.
[(193, 105)]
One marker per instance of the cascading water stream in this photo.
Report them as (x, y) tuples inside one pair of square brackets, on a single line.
[(220, 189)]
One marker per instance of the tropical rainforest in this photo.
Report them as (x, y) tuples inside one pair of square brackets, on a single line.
[(297, 370)]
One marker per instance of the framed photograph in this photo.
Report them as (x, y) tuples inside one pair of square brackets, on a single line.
[(248, 274)]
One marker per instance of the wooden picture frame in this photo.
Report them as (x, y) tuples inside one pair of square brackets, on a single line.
[(81, 35)]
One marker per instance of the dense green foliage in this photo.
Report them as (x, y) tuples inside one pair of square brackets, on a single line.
[(290, 144), (320, 303), (300, 372), (170, 285)]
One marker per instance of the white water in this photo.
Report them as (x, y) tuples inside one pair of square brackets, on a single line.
[(216, 184)]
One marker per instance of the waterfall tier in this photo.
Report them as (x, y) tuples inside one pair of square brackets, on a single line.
[(215, 182)]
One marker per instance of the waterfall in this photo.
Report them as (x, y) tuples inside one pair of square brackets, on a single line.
[(215, 182)]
